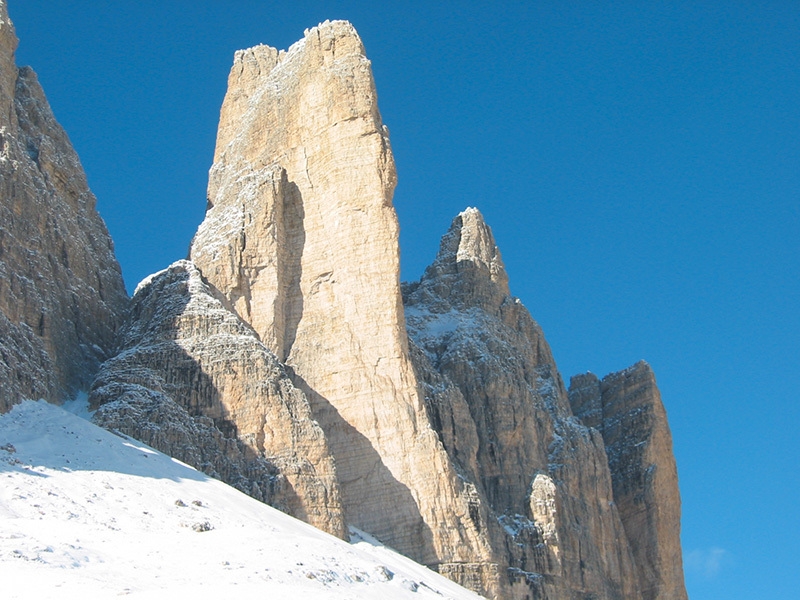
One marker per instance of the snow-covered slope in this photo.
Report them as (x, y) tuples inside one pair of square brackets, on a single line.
[(84, 511)]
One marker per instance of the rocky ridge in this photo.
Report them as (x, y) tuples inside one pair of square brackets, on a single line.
[(540, 470), (61, 291), (284, 358)]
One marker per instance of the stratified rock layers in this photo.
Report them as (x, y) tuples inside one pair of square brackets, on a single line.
[(283, 358), (194, 381), (61, 290), (301, 238), (454, 440), (588, 500)]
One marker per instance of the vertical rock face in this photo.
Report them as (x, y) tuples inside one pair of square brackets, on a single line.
[(626, 408), (302, 158), (283, 358), (194, 381), (61, 291), (503, 414), (300, 239)]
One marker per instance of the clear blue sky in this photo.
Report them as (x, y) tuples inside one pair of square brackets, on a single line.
[(639, 163)]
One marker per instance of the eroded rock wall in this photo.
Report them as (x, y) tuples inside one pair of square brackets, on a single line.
[(301, 239), (194, 381), (61, 291), (501, 409), (626, 408), (281, 357)]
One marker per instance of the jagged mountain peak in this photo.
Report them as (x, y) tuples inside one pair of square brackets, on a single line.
[(468, 270), (476, 244), (282, 358)]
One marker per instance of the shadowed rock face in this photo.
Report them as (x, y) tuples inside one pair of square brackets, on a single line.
[(626, 408), (500, 407), (61, 291), (194, 381)]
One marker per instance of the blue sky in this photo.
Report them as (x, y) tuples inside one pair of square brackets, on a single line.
[(638, 162)]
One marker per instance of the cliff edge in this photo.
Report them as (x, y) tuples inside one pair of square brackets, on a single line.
[(61, 291)]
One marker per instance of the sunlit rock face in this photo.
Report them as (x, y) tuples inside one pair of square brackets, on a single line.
[(194, 381), (283, 358), (436, 419), (626, 408), (61, 291), (301, 241)]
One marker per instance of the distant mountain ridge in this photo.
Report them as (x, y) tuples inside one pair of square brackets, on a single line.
[(285, 358)]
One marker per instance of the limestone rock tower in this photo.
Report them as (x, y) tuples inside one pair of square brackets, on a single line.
[(301, 240)]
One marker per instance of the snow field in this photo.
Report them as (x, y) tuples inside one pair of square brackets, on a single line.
[(84, 512)]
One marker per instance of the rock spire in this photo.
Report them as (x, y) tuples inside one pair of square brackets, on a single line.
[(285, 358), (301, 240), (626, 408), (541, 459), (488, 369)]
